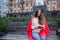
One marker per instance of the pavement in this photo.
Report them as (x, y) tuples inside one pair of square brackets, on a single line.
[(52, 36)]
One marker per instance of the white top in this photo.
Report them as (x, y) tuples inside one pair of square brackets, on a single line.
[(35, 24)]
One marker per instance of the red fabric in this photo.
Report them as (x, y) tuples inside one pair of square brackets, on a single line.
[(41, 33)]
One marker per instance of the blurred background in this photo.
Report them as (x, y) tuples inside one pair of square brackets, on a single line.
[(15, 15)]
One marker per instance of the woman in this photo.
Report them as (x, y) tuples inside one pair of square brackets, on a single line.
[(37, 28)]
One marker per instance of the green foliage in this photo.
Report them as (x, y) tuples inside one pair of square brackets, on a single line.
[(22, 19), (58, 20), (12, 19), (54, 20), (2, 24), (16, 19), (51, 19)]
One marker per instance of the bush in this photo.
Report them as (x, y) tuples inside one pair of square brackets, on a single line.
[(54, 20), (15, 19), (2, 24), (22, 19), (51, 19)]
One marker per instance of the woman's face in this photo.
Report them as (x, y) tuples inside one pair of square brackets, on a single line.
[(39, 12)]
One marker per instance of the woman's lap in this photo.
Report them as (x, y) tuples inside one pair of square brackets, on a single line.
[(37, 37), (43, 38)]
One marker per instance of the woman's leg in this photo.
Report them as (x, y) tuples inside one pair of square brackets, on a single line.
[(43, 38), (35, 36)]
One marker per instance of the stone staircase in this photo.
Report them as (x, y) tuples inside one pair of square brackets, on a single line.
[(17, 31), (52, 36)]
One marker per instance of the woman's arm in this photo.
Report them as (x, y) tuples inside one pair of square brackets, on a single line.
[(42, 26), (37, 26)]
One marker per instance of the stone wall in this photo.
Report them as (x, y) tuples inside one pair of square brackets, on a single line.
[(52, 14)]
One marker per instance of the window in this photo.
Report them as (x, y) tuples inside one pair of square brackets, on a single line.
[(14, 1), (48, 8), (53, 0), (54, 8), (26, 10), (18, 10), (31, 4), (31, 9), (48, 3), (0, 1), (27, 5), (0, 7), (0, 12), (18, 0), (8, 11), (14, 6), (54, 3), (59, 5), (14, 11), (22, 7), (22, 0), (26, 0), (29, 0), (19, 6), (39, 3)]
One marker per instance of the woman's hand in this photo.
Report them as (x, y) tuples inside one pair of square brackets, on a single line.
[(41, 26)]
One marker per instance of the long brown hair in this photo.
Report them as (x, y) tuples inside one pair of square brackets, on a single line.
[(41, 17)]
